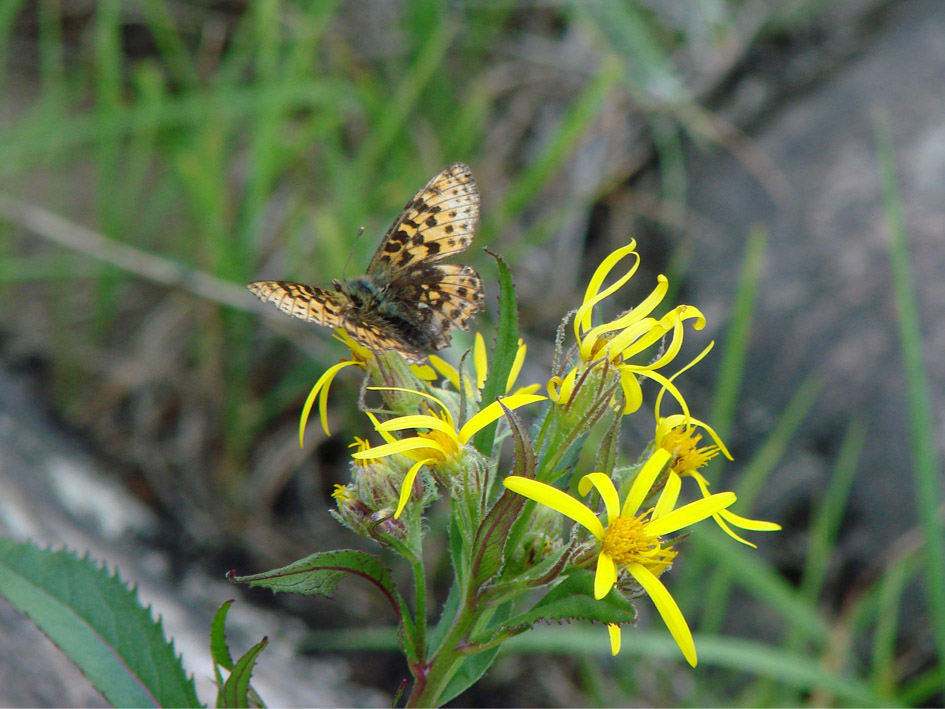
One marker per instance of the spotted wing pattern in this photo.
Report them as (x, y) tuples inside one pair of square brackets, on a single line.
[(331, 309), (308, 303), (439, 221), (407, 301)]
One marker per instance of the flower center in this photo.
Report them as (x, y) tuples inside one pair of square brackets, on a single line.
[(448, 442), (626, 541), (687, 458)]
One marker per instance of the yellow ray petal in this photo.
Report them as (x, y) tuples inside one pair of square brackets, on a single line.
[(608, 493), (321, 385), (644, 481), (690, 514), (402, 446), (407, 486), (668, 610), (557, 500), (605, 577), (614, 631), (493, 412)]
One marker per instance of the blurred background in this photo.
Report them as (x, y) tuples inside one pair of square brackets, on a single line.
[(782, 162)]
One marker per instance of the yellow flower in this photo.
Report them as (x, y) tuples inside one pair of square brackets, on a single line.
[(481, 367), (343, 493), (616, 342), (442, 442), (631, 541), (361, 357), (678, 435)]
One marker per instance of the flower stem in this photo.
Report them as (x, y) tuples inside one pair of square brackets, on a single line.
[(420, 609), (446, 661)]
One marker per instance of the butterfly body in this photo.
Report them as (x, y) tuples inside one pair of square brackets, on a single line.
[(407, 301)]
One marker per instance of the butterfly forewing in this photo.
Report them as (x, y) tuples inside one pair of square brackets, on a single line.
[(315, 305), (407, 301), (439, 221)]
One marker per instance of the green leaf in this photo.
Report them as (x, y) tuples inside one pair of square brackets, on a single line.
[(926, 468), (319, 575), (98, 622), (573, 599), (493, 533), (503, 352), (450, 609), (475, 666), (470, 672), (236, 691), (218, 647)]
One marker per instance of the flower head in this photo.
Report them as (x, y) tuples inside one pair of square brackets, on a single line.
[(617, 344), (631, 542), (678, 435), (442, 444)]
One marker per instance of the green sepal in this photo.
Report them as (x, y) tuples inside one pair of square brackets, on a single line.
[(319, 575), (503, 352), (98, 622), (236, 691)]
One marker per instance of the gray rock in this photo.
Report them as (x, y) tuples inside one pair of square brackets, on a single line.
[(57, 496), (826, 304)]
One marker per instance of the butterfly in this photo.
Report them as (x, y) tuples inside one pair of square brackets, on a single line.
[(407, 301)]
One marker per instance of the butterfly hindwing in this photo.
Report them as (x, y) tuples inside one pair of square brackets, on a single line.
[(446, 296)]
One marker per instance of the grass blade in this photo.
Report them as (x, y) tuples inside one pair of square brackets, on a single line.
[(926, 468)]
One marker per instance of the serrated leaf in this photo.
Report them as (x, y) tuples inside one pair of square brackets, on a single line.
[(236, 691), (493, 533), (573, 599), (503, 352), (98, 622), (319, 575), (219, 651)]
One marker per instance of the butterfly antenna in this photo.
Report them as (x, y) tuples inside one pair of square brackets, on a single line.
[(344, 271)]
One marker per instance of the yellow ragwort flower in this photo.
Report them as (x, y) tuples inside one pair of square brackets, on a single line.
[(619, 341), (442, 442), (631, 541), (678, 435), (343, 493)]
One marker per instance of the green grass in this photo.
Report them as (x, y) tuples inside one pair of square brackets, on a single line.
[(207, 165)]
